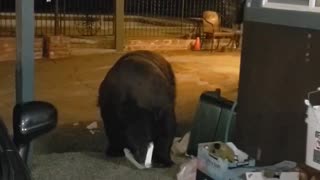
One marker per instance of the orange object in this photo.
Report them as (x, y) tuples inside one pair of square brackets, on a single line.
[(197, 45)]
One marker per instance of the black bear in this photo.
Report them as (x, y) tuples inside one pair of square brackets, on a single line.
[(137, 101)]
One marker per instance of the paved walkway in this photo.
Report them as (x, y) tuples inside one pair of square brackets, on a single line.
[(71, 84)]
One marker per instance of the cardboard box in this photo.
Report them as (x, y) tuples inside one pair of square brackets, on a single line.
[(219, 169)]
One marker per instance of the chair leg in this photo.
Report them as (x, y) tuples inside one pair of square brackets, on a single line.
[(212, 42), (231, 43), (218, 45)]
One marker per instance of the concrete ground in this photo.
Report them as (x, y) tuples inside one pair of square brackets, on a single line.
[(72, 151)]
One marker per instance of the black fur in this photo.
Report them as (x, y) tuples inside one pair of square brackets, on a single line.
[(137, 100)]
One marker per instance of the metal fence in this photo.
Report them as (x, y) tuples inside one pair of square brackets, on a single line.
[(174, 17), (143, 18), (68, 17)]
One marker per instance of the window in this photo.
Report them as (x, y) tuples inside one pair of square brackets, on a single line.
[(298, 5)]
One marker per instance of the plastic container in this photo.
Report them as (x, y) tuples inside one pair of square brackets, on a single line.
[(313, 137), (313, 133)]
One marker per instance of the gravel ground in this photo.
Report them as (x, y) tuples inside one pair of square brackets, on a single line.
[(73, 152), (93, 166)]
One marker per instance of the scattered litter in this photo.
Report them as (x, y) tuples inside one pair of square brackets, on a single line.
[(202, 83), (93, 125), (284, 170), (280, 176), (188, 170), (180, 145)]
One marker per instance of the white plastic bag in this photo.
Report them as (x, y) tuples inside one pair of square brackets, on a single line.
[(188, 170)]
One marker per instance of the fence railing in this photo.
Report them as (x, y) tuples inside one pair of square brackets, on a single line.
[(68, 17), (173, 17), (143, 18)]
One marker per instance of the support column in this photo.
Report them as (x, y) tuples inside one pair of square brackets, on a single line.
[(25, 57), (119, 24)]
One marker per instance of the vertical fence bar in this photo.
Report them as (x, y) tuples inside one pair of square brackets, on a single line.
[(50, 16), (71, 16), (11, 21), (47, 12), (1, 17), (182, 16), (44, 28), (56, 18), (160, 14), (41, 18), (153, 14), (149, 27), (63, 19), (103, 14), (113, 16), (144, 13), (140, 13), (127, 11), (66, 17), (4, 16), (76, 18), (119, 24), (102, 18), (99, 18)]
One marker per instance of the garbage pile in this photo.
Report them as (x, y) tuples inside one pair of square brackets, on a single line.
[(224, 161)]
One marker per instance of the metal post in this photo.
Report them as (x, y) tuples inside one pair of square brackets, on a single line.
[(119, 24), (182, 15), (56, 18), (25, 56)]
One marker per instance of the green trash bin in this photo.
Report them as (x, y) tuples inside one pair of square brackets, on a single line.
[(214, 120)]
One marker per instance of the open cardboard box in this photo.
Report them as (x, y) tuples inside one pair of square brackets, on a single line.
[(219, 169)]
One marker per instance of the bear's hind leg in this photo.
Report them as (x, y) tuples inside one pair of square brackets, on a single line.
[(114, 133)]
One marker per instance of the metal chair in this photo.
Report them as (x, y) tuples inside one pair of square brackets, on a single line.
[(212, 28), (211, 24)]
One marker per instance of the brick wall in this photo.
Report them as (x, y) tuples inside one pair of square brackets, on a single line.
[(8, 48), (170, 44), (163, 44)]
